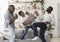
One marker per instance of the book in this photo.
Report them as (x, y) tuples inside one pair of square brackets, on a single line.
[(29, 20)]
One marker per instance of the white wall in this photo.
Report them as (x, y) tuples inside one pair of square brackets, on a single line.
[(58, 17), (58, 14)]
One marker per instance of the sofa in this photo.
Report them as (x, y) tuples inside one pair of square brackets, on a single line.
[(19, 33)]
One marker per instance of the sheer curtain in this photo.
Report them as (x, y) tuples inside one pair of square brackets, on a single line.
[(3, 8)]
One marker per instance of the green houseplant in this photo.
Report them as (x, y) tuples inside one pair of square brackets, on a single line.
[(42, 5)]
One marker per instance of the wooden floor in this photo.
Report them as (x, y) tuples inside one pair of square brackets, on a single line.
[(55, 40), (52, 40)]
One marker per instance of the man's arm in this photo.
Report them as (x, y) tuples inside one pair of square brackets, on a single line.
[(8, 20), (13, 19)]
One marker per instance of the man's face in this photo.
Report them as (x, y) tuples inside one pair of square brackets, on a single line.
[(22, 14), (11, 9), (49, 10)]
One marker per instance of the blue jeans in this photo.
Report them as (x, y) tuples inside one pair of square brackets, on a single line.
[(27, 28), (43, 28)]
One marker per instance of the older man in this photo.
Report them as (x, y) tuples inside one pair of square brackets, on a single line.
[(9, 22)]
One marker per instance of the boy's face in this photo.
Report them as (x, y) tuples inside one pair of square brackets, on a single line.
[(22, 14)]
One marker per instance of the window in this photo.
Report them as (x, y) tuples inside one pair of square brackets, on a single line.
[(3, 8)]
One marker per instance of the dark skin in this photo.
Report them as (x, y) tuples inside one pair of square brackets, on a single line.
[(22, 14), (49, 10), (11, 10)]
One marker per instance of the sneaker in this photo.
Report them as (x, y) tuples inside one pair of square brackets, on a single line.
[(35, 38)]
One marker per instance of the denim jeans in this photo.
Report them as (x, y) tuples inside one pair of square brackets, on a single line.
[(26, 30), (43, 28)]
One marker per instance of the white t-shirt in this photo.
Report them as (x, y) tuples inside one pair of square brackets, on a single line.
[(21, 19), (49, 18)]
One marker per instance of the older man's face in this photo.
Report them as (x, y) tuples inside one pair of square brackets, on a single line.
[(11, 9)]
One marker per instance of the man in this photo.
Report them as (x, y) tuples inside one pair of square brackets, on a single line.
[(9, 22), (43, 25)]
